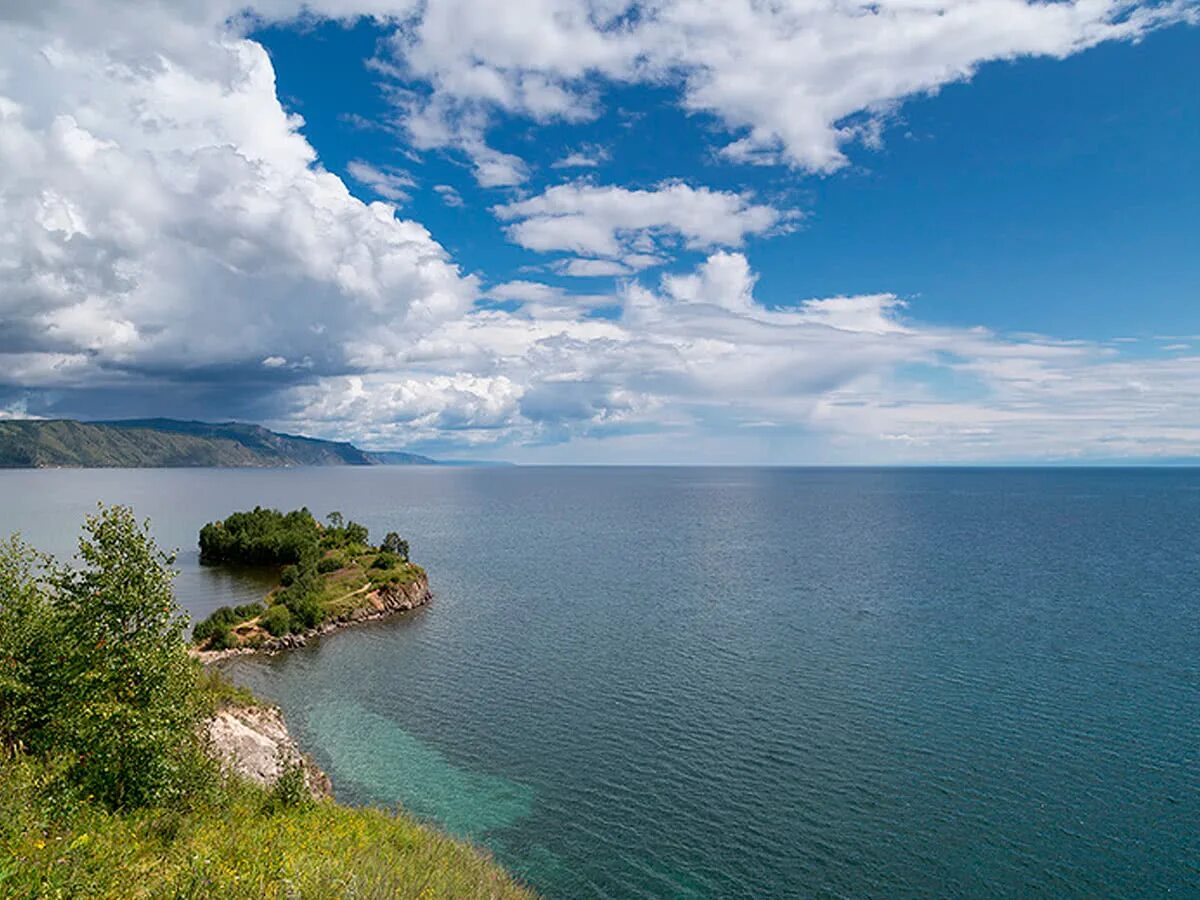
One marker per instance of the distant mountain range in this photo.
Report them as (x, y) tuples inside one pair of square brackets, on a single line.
[(135, 443)]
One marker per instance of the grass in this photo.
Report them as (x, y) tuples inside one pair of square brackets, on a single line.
[(235, 843), (342, 591), (218, 691)]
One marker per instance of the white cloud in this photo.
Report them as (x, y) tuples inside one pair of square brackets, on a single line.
[(699, 363), (389, 182), (495, 169), (584, 158), (787, 78), (525, 290), (612, 222), (450, 196), (168, 230), (385, 412), (579, 267), (163, 214)]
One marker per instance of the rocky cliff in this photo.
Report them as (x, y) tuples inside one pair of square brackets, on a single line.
[(254, 742)]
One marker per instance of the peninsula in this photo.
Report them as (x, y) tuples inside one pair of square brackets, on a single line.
[(330, 576)]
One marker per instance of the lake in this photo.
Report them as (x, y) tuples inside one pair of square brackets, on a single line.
[(677, 682)]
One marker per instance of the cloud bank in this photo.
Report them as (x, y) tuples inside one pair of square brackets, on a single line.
[(171, 244)]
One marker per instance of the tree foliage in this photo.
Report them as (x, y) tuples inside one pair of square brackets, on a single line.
[(93, 663), (223, 619), (393, 543), (277, 620), (261, 537)]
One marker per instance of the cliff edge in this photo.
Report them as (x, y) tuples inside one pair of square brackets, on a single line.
[(254, 742)]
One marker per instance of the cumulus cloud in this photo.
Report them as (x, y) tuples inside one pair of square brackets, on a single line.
[(793, 81), (384, 412), (632, 225), (164, 218)]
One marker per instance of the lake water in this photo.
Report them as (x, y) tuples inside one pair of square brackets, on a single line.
[(748, 682)]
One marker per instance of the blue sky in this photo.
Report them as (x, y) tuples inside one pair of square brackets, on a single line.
[(815, 234), (1059, 196)]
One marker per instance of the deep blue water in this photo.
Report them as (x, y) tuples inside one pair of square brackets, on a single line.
[(749, 682)]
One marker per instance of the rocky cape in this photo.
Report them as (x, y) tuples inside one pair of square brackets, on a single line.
[(388, 601), (253, 741)]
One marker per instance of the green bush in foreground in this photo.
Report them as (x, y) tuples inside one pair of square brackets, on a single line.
[(93, 665)]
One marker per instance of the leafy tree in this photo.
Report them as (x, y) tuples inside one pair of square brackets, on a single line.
[(29, 645), (336, 520), (356, 534), (393, 543), (94, 663)]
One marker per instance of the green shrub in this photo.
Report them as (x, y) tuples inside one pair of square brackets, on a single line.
[(223, 619), (93, 664), (386, 560), (248, 611), (331, 563), (287, 575), (291, 788), (306, 612), (277, 620), (222, 638)]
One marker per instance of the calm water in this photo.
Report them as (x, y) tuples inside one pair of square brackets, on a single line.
[(749, 683)]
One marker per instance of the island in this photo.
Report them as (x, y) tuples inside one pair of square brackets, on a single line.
[(330, 576)]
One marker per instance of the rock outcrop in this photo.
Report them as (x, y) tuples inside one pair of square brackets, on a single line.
[(254, 742)]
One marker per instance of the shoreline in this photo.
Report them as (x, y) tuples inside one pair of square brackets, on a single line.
[(382, 604)]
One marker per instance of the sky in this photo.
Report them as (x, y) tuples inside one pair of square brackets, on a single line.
[(561, 231)]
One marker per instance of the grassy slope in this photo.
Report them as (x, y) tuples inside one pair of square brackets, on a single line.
[(235, 843), (230, 840)]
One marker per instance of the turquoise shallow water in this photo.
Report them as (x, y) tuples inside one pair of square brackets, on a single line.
[(748, 682)]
